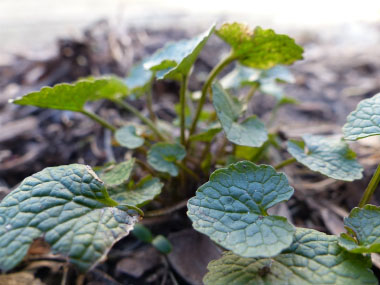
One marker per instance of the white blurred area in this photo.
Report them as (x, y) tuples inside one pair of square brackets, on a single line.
[(35, 24)]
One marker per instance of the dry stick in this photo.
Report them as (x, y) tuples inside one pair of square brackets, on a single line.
[(98, 119), (166, 211), (371, 188), (285, 163), (137, 113), (217, 69)]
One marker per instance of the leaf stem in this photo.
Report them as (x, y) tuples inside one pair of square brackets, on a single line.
[(144, 119), (98, 119), (182, 98), (370, 188), (188, 170), (149, 102), (285, 163), (217, 69)]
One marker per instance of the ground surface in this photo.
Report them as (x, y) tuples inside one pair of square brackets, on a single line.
[(337, 73)]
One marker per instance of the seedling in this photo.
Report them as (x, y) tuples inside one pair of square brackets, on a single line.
[(81, 213)]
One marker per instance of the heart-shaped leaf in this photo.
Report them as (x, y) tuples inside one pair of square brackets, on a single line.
[(313, 258), (364, 121), (127, 137), (117, 174), (250, 132), (163, 157), (327, 155), (364, 226), (70, 208), (232, 209), (139, 79), (144, 192), (65, 96), (261, 48), (176, 59)]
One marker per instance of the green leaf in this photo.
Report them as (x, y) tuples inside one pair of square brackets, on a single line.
[(176, 59), (117, 174), (163, 157), (232, 209), (251, 132), (266, 80), (327, 155), (162, 244), (139, 79), (127, 137), (142, 233), (261, 48), (65, 96), (313, 258), (241, 76), (206, 136), (364, 224), (70, 208), (364, 121), (144, 192)]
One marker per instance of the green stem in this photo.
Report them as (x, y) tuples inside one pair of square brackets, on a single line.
[(149, 102), (188, 170), (137, 113), (217, 69), (285, 163), (250, 93), (182, 98), (370, 188), (99, 120)]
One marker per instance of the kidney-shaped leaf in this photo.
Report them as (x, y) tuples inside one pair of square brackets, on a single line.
[(261, 48), (139, 79), (364, 224), (117, 174), (145, 191), (70, 208), (250, 132), (364, 121), (176, 59), (127, 137), (65, 96), (163, 157), (313, 258), (327, 155), (232, 209)]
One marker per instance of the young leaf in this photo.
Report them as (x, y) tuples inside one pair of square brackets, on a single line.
[(251, 132), (206, 136), (364, 224), (364, 121), (144, 192), (117, 174), (163, 157), (162, 244), (232, 209), (72, 97), (313, 258), (139, 79), (70, 208), (176, 59), (261, 48), (329, 156), (127, 137)]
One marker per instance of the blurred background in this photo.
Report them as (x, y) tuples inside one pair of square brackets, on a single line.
[(29, 25)]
